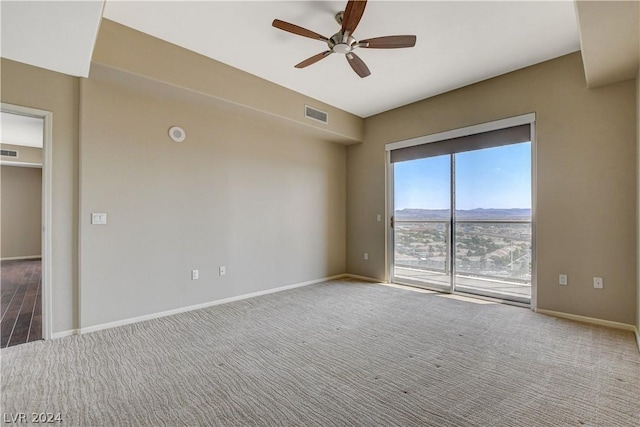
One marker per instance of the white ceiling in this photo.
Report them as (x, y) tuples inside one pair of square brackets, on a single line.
[(56, 35), (459, 43), (609, 40), (21, 130)]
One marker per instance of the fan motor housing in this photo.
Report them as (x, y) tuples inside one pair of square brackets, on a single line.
[(338, 45)]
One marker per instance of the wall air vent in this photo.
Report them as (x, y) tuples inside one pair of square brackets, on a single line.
[(9, 153), (315, 114)]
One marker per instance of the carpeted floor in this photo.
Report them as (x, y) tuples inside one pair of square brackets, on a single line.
[(334, 354)]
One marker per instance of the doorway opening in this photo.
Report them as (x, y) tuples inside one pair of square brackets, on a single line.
[(461, 209), (24, 220)]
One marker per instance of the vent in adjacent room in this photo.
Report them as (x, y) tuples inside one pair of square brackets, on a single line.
[(315, 114), (9, 153)]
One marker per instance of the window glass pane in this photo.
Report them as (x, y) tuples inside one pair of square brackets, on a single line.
[(491, 228), (494, 183), (423, 188), (422, 197), (493, 221)]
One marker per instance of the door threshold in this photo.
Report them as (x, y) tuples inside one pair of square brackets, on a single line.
[(464, 294)]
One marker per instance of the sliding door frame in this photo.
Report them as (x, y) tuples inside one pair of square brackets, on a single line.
[(524, 119)]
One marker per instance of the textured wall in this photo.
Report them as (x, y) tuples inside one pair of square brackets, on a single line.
[(586, 179)]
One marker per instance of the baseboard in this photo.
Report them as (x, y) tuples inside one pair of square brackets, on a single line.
[(364, 278), (16, 258), (63, 334), (203, 305), (591, 320)]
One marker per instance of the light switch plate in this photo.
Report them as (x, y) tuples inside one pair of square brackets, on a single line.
[(98, 218)]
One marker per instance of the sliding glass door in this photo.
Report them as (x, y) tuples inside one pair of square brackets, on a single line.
[(493, 222), (462, 221), (422, 221)]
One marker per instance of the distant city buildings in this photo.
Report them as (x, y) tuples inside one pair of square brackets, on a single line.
[(491, 243)]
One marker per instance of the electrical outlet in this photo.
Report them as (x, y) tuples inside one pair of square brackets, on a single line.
[(598, 282), (366, 256), (562, 279), (379, 217), (195, 274), (222, 270)]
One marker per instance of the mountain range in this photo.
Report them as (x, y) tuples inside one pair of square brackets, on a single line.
[(469, 214)]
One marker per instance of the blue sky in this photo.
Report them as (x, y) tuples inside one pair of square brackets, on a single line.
[(491, 178)]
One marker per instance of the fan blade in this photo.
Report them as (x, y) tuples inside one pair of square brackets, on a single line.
[(388, 42), (314, 59), (352, 15), (358, 65), (292, 28)]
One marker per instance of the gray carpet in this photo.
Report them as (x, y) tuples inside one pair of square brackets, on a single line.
[(334, 354)]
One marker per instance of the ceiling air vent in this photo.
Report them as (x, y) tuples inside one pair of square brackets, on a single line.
[(9, 153), (315, 114)]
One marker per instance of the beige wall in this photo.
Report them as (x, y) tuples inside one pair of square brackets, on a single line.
[(638, 206), (46, 90), (265, 202), (638, 196), (586, 179), (225, 85), (21, 215), (25, 154)]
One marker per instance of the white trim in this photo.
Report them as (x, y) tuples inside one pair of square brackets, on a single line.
[(20, 164), (390, 213), (363, 278), (585, 319), (637, 334), (63, 334), (534, 217), (469, 130), (151, 316), (16, 258), (81, 210), (47, 179), (47, 228)]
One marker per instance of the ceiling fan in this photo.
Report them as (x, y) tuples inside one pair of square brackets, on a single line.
[(344, 42)]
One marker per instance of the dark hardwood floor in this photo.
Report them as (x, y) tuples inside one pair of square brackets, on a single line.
[(21, 302)]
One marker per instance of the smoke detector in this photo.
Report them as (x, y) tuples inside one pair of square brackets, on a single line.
[(177, 134)]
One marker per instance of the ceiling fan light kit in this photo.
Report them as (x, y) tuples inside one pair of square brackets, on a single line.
[(343, 41)]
